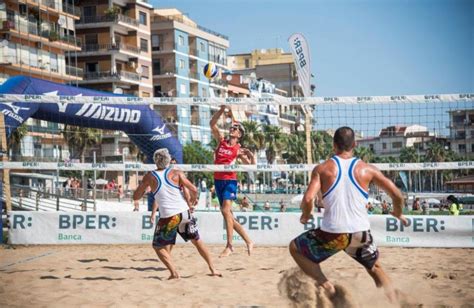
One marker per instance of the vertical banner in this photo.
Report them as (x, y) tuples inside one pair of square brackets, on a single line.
[(300, 50)]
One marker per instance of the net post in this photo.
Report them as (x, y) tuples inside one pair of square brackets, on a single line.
[(5, 172)]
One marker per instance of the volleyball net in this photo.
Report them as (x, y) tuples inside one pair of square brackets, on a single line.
[(423, 142)]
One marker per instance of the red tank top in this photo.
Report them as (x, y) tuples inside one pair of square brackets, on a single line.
[(226, 154)]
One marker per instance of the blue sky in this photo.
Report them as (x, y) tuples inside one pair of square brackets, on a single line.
[(372, 47)]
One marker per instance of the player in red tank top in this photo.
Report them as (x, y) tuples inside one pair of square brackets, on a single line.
[(227, 153)]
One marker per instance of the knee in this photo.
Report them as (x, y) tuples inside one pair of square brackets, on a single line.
[(293, 248)]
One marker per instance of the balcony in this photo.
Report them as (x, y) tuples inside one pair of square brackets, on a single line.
[(289, 117), (194, 75), (30, 29), (108, 76), (72, 9), (164, 47), (87, 20), (180, 19), (95, 48), (74, 71), (165, 72), (55, 6)]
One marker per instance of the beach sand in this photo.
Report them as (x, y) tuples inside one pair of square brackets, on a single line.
[(131, 275)]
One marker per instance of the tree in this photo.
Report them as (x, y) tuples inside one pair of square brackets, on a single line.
[(81, 139), (195, 153), (321, 145), (274, 142), (14, 142), (295, 149), (364, 153), (254, 138)]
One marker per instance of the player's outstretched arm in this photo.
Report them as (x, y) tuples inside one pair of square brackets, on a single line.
[(307, 203), (247, 157), (213, 123), (389, 187)]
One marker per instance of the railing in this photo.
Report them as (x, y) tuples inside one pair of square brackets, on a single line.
[(194, 75), (74, 71), (165, 47), (165, 71), (287, 116), (179, 18), (109, 47), (71, 9), (108, 18), (109, 75)]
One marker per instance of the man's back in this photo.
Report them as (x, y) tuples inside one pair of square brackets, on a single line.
[(344, 197)]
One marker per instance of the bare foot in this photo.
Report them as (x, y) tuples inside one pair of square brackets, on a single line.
[(215, 274), (249, 247), (227, 251), (174, 276)]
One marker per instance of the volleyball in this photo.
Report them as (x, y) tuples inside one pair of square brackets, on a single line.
[(210, 70)]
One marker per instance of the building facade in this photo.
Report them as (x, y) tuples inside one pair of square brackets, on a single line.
[(181, 48), (461, 130), (392, 139), (116, 51), (38, 39)]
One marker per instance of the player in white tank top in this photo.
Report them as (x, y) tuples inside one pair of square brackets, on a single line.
[(343, 181), (175, 212)]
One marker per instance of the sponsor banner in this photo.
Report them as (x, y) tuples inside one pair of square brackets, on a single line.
[(61, 101), (213, 168), (264, 228), (302, 58)]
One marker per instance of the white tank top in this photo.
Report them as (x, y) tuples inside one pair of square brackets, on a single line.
[(169, 196), (345, 201)]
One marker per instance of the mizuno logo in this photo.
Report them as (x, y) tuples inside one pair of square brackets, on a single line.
[(160, 130), (108, 113), (15, 109)]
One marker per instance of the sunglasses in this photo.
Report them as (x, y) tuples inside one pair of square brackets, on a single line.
[(234, 128)]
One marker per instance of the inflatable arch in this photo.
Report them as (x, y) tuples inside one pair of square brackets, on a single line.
[(142, 124)]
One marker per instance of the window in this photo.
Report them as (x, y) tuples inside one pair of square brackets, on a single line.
[(145, 72), (33, 57), (247, 63), (155, 42), (92, 67), (203, 47), (142, 18), (181, 63), (91, 42), (384, 146), (143, 45), (396, 145), (371, 147), (182, 89), (181, 40), (462, 148), (22, 8), (54, 62), (90, 13), (472, 148), (156, 67)]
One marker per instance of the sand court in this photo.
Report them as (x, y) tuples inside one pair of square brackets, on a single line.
[(131, 275)]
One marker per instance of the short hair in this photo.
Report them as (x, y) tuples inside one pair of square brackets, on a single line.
[(344, 138), (162, 158)]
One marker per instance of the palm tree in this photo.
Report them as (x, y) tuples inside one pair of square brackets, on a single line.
[(195, 153), (80, 139), (135, 151), (274, 142), (321, 145), (410, 155), (254, 139), (14, 142), (364, 153)]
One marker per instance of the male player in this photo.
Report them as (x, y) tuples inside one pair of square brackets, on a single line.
[(344, 182), (175, 212), (227, 152)]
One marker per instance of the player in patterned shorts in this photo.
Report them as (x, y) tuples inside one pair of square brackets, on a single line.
[(344, 181)]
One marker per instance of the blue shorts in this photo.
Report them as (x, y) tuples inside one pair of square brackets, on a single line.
[(226, 190)]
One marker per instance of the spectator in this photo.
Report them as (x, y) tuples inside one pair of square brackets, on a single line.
[(385, 208), (245, 205), (267, 207), (455, 206), (203, 185), (416, 205), (282, 206), (370, 208), (120, 192), (424, 207)]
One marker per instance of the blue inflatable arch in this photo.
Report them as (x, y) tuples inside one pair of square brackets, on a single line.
[(142, 124)]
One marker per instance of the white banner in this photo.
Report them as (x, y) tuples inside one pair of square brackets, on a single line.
[(28, 165), (302, 57), (264, 228), (217, 101)]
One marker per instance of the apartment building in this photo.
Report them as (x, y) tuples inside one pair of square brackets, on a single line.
[(38, 39), (116, 50), (461, 129), (181, 48), (277, 67)]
